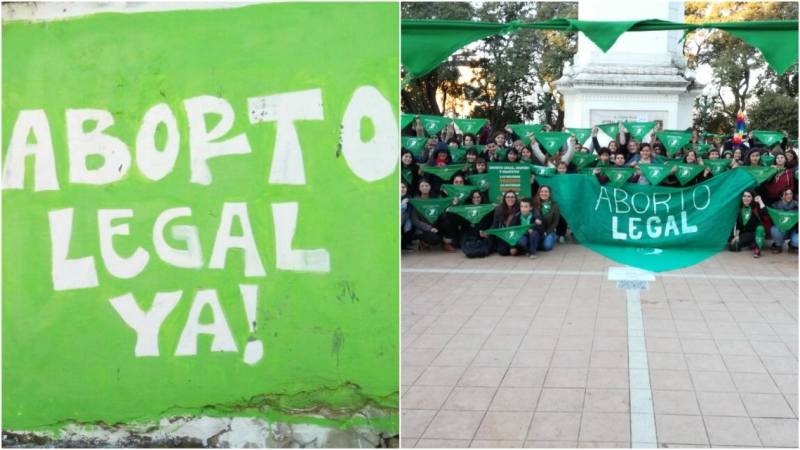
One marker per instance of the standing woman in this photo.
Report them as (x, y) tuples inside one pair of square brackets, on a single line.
[(551, 213), (748, 229), (410, 172), (506, 215), (784, 179)]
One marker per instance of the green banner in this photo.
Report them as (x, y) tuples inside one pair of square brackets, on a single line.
[(639, 129), (504, 177), (760, 173), (473, 213), (610, 129), (588, 170), (480, 181), (717, 166), (767, 160), (509, 234), (553, 141), (687, 172), (458, 154), (522, 131), (768, 138), (655, 173), (582, 160), (784, 220), (618, 176), (470, 125), (652, 227), (581, 134), (542, 171), (178, 249), (433, 124), (673, 140), (431, 208), (406, 119), (461, 192), (446, 173), (413, 144)]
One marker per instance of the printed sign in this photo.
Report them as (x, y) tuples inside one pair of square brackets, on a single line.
[(504, 177)]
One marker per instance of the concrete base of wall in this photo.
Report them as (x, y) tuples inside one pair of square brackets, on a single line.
[(206, 432)]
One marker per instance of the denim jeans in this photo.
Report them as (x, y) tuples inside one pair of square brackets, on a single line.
[(530, 241), (779, 236), (548, 241)]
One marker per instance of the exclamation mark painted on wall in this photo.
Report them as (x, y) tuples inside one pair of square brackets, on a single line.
[(254, 350)]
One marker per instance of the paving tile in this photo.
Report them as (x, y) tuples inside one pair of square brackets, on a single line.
[(607, 400), (478, 443), (502, 342), (712, 382), (754, 383), (466, 341), (566, 378), (551, 444), (561, 400), (609, 360), (700, 346), (532, 358), (454, 357), (678, 429), (409, 374), (515, 400), (777, 432), (605, 427), (425, 397), (731, 431), (493, 358), (776, 365), (443, 443), (419, 356), (721, 404), (740, 348), (570, 358), (770, 406), (505, 425), (584, 444), (532, 342), (610, 344), (743, 364), (440, 376), (580, 343), (482, 376), (524, 377), (708, 363), (666, 361), (427, 340), (407, 442), (670, 380), (469, 398), (453, 425), (776, 349), (786, 383), (675, 402), (415, 421), (555, 427), (607, 378)]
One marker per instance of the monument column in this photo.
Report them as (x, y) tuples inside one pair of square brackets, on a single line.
[(641, 78)]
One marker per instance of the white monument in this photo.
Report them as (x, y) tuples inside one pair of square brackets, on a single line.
[(642, 78)]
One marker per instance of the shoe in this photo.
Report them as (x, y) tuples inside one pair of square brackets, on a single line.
[(407, 249), (513, 252), (561, 240), (792, 249), (423, 247), (448, 247), (757, 253), (776, 250), (533, 255)]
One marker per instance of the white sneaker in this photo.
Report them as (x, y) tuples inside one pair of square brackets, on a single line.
[(533, 255), (561, 240)]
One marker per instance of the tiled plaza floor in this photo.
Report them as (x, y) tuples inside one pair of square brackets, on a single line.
[(514, 352)]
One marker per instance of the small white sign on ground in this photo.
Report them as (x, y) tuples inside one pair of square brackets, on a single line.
[(630, 274)]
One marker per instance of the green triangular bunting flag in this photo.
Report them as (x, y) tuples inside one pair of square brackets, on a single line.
[(469, 125), (701, 149), (588, 170), (687, 172), (473, 213), (459, 192), (522, 131), (784, 220), (510, 234), (444, 172), (639, 129), (458, 154), (480, 181), (406, 119), (553, 141), (760, 173), (717, 165), (501, 153), (673, 140), (582, 160), (655, 173), (618, 176), (611, 129), (542, 171), (768, 138), (434, 124), (581, 134), (413, 144), (430, 208), (767, 160)]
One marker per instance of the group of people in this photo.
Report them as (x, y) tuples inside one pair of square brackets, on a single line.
[(541, 212)]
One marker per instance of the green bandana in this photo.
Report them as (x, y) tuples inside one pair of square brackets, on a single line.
[(747, 211), (446, 173), (760, 173), (522, 131), (552, 142), (639, 129), (618, 176), (761, 234), (673, 140), (784, 220), (413, 144), (589, 170), (469, 125), (610, 129), (431, 208), (459, 192), (457, 154), (406, 119), (407, 176), (472, 213), (769, 138), (542, 171), (687, 172), (581, 134), (501, 153), (434, 124), (480, 181), (479, 148), (767, 160), (510, 234), (717, 166), (701, 149), (526, 220), (582, 160), (546, 208), (655, 173)]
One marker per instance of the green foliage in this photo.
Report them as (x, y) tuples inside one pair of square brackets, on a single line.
[(774, 112)]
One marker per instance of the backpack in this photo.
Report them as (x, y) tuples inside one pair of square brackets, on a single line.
[(475, 247)]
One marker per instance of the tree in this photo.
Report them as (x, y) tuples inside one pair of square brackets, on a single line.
[(774, 112)]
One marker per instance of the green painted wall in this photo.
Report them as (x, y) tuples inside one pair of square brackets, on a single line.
[(330, 338)]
